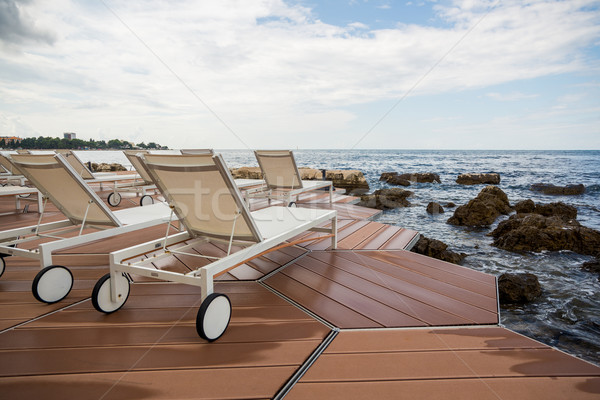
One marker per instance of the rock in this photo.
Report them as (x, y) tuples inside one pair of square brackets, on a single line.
[(592, 266), (450, 205), (394, 179), (421, 177), (558, 209), (475, 179), (518, 288), (104, 167), (437, 249), (246, 173), (383, 199), (535, 232), (434, 208), (547, 188), (483, 209)]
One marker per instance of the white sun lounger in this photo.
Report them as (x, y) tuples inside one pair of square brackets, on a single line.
[(282, 177), (10, 171), (58, 182), (20, 193), (204, 197)]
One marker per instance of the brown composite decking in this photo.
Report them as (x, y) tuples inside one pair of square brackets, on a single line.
[(149, 348), (370, 289), (455, 363)]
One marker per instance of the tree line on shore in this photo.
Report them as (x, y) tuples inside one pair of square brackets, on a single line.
[(78, 144)]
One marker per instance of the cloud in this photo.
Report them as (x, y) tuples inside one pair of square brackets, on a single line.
[(152, 67), (513, 96), (17, 27)]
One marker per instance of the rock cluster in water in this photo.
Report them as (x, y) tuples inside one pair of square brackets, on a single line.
[(434, 208), (104, 167), (476, 179), (384, 199), (353, 181), (394, 178), (483, 209), (518, 288), (548, 188), (437, 249)]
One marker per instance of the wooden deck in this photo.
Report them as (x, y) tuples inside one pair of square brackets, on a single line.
[(282, 319), (464, 363)]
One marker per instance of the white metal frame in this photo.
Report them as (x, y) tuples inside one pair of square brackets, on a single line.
[(17, 191)]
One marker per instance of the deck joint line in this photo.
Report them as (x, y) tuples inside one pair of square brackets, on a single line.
[(287, 264), (306, 365), (44, 315)]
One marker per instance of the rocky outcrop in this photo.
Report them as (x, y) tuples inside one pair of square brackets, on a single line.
[(104, 167), (352, 180), (483, 209), (394, 179), (246, 173), (558, 209), (535, 232), (437, 249), (435, 208), (384, 199), (548, 188), (592, 266), (518, 288), (476, 179), (419, 177)]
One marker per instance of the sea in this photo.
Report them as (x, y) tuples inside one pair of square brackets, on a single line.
[(567, 315)]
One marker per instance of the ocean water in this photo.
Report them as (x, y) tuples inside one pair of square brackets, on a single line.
[(567, 315)]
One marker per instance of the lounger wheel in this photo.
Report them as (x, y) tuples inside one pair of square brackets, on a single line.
[(114, 199), (292, 204), (101, 299), (213, 316), (2, 265), (146, 200), (52, 284)]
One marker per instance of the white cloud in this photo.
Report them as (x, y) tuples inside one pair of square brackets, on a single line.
[(266, 68)]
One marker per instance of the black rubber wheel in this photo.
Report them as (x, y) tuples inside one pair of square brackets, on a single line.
[(292, 204), (114, 199), (2, 265), (101, 294), (52, 284), (146, 200), (213, 316)]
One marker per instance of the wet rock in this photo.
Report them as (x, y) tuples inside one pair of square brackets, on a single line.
[(434, 208), (476, 179), (518, 288), (394, 179), (558, 209), (535, 232), (450, 205), (104, 167), (437, 249), (483, 209), (384, 199), (548, 188), (421, 177), (592, 266)]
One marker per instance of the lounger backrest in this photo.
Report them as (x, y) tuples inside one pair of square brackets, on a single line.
[(279, 169), (8, 165), (204, 195), (138, 165), (76, 163), (197, 151), (56, 179)]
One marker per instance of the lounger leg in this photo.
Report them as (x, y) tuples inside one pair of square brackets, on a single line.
[(206, 283), (331, 194), (334, 231)]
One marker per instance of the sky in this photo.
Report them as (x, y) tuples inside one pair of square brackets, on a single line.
[(346, 74)]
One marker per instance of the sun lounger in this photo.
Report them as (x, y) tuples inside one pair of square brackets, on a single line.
[(58, 182), (204, 197), (283, 178), (10, 171), (196, 151), (20, 193)]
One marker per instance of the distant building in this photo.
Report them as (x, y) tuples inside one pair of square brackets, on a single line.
[(11, 139), (69, 135)]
